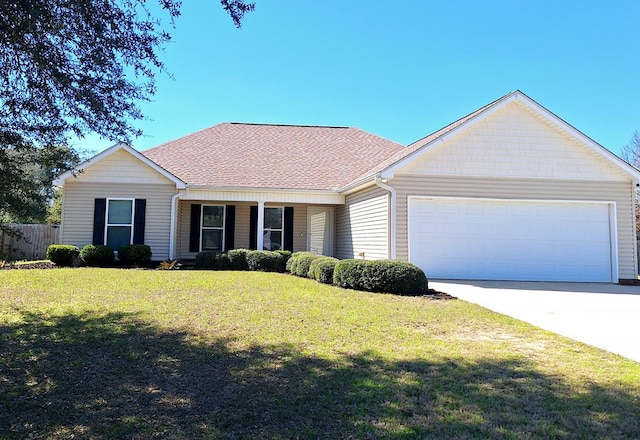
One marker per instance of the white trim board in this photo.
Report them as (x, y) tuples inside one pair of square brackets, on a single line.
[(548, 116), (108, 152)]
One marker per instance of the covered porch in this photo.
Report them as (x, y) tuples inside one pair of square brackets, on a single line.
[(219, 221)]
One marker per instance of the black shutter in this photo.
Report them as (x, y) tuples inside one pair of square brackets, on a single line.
[(229, 227), (288, 228), (194, 234), (139, 221), (99, 210), (253, 228)]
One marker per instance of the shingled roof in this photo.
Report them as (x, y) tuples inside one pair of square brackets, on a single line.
[(273, 156)]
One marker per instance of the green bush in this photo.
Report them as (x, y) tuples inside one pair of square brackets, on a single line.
[(321, 269), (223, 262), (391, 276), (212, 260), (292, 262), (205, 260), (301, 269), (265, 261), (285, 254), (63, 254), (238, 259), (97, 255), (134, 254)]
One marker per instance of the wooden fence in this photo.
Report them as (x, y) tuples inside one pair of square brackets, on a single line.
[(31, 245)]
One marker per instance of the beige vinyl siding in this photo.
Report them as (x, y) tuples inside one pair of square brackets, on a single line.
[(513, 142), (78, 205), (121, 167), (535, 189), (299, 228), (362, 225), (242, 226)]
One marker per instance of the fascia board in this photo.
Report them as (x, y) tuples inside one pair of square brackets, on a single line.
[(389, 172), (108, 152), (580, 136)]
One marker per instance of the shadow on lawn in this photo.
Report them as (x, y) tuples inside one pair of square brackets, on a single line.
[(115, 376)]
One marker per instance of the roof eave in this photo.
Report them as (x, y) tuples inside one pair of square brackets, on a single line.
[(270, 195), (108, 152), (389, 171), (633, 172), (358, 184), (196, 187)]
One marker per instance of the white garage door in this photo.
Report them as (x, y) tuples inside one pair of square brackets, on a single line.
[(512, 239)]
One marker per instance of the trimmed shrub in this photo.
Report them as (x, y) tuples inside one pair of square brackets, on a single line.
[(302, 267), (238, 259), (134, 254), (293, 261), (321, 269), (391, 276), (63, 254), (212, 260), (265, 261), (222, 262), (205, 260), (285, 254), (97, 255)]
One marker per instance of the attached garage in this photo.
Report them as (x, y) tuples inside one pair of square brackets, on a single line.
[(498, 239)]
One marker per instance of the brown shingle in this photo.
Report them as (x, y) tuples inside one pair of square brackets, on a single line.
[(273, 156)]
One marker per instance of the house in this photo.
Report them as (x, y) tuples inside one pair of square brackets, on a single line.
[(508, 192)]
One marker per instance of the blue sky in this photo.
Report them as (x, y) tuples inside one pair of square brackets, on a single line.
[(400, 69)]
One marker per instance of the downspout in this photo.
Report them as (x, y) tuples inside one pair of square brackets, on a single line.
[(636, 193), (382, 183), (172, 223)]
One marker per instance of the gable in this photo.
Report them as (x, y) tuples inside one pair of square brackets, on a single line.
[(514, 141), (121, 167)]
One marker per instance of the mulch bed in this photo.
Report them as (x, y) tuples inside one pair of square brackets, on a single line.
[(37, 265), (434, 294)]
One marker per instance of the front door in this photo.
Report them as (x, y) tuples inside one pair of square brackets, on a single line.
[(320, 227)]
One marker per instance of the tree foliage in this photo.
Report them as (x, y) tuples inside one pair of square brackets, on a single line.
[(631, 154), (70, 68), (631, 151), (26, 173)]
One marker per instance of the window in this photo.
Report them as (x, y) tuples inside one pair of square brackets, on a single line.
[(119, 226), (212, 228), (273, 228)]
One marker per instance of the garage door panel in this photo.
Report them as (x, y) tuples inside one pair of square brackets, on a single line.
[(511, 240)]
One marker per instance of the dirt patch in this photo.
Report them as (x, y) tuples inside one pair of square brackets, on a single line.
[(431, 294), (435, 294), (489, 335)]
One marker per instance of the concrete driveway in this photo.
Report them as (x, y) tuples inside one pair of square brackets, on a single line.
[(603, 315)]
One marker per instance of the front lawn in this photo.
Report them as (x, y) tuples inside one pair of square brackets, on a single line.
[(108, 353)]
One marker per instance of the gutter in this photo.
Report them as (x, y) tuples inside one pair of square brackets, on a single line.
[(357, 183), (382, 183), (172, 223)]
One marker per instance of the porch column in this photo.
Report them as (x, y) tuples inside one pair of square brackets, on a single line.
[(260, 232), (173, 227)]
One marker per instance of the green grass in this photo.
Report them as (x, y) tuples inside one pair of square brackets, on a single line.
[(107, 353)]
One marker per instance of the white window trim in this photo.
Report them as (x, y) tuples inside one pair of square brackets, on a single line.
[(281, 229), (202, 227), (106, 218)]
